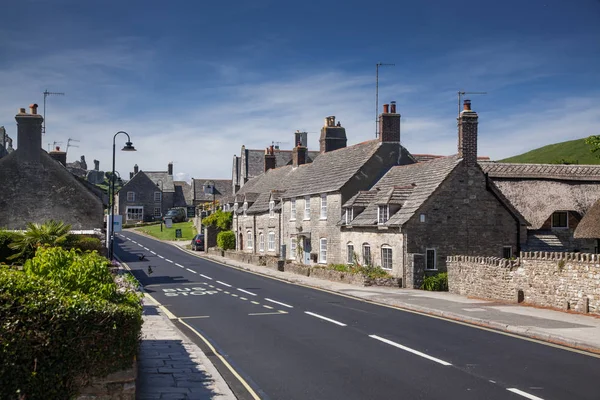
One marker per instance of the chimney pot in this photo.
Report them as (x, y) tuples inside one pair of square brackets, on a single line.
[(22, 111), (393, 107), (467, 105), (57, 148), (386, 108), (33, 108)]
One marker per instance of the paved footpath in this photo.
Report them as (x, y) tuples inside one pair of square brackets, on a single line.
[(170, 366)]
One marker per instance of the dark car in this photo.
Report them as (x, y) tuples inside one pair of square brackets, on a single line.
[(176, 215), (198, 243)]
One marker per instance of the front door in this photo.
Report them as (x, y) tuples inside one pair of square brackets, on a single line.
[(306, 251)]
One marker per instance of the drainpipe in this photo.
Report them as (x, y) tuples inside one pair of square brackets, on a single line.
[(254, 233), (404, 257), (280, 234)]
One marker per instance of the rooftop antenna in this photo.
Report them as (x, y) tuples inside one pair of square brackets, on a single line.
[(379, 64), (277, 144), (53, 145), (460, 94), (71, 145), (46, 94)]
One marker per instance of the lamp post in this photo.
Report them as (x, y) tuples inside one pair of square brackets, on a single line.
[(161, 203), (109, 231)]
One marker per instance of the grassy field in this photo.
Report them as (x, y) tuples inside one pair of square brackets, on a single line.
[(187, 231), (571, 152)]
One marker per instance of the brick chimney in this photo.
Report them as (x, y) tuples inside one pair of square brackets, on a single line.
[(389, 124), (170, 168), (467, 135), (135, 169), (29, 134), (299, 155), (333, 136), (59, 156), (270, 161)]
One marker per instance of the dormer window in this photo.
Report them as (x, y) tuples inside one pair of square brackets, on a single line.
[(245, 207), (383, 214), (349, 215), (272, 209), (560, 219)]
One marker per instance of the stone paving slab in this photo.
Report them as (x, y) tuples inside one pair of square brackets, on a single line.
[(171, 366)]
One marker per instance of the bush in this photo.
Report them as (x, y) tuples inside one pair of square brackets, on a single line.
[(6, 238), (219, 219), (54, 340), (84, 243), (367, 270), (436, 283), (226, 240)]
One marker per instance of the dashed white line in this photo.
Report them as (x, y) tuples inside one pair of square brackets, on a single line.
[(524, 394), (247, 292), (161, 256), (266, 306), (191, 270), (243, 298), (133, 241), (280, 303), (333, 321), (254, 302), (179, 265), (234, 295), (219, 289), (152, 252), (145, 248), (141, 245), (207, 277), (398, 345), (224, 284), (167, 260)]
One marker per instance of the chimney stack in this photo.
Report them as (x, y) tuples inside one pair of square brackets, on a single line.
[(131, 175), (301, 137), (170, 168), (467, 134), (59, 156), (333, 136), (299, 155), (29, 134), (270, 161), (135, 169), (97, 165), (389, 124)]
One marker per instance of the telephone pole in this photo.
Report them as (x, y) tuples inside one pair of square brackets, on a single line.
[(379, 64)]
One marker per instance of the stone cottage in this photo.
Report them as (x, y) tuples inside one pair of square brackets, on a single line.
[(206, 191), (35, 187)]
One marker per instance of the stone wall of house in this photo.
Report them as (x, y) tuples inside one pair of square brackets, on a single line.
[(568, 281), (144, 191), (266, 224), (462, 217), (244, 224), (375, 239)]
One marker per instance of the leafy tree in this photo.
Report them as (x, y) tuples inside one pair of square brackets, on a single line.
[(594, 143), (50, 233), (219, 219), (226, 240)]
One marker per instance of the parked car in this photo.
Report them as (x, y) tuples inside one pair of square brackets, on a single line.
[(198, 243), (176, 215)]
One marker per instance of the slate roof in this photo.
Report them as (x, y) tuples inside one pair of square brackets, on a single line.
[(223, 188), (409, 186), (161, 176), (542, 171), (256, 160), (361, 199), (183, 194), (273, 179), (330, 171)]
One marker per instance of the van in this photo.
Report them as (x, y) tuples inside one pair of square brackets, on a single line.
[(176, 215)]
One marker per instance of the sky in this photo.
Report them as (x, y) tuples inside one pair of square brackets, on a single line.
[(193, 81)]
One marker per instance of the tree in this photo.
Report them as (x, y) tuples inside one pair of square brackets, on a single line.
[(219, 219), (50, 233), (594, 143)]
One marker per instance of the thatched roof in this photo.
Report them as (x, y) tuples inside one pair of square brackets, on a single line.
[(589, 226)]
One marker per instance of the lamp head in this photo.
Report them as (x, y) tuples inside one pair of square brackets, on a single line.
[(128, 147)]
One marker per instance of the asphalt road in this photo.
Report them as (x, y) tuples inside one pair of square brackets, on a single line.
[(292, 342)]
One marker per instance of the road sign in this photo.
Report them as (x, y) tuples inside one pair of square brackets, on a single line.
[(177, 233), (191, 212)]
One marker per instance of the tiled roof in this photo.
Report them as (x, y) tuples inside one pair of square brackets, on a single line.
[(542, 171), (183, 194), (256, 160), (223, 188), (162, 176), (261, 204), (407, 185), (273, 179), (361, 199)]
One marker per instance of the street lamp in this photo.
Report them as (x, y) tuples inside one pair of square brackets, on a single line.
[(109, 230), (161, 203)]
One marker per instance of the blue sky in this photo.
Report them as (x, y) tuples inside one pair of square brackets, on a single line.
[(191, 81)]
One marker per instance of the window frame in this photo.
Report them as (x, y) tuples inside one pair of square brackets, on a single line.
[(293, 244), (159, 199), (292, 209), (272, 209), (427, 267), (366, 248), (271, 241), (556, 213), (323, 207), (140, 210), (322, 251), (261, 242), (306, 208), (159, 214), (130, 197), (422, 218), (384, 249), (249, 244), (349, 215), (383, 214), (350, 253)]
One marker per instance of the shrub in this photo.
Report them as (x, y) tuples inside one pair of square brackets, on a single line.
[(54, 340), (6, 238), (369, 271), (219, 219), (226, 240), (436, 283), (53, 233), (86, 243)]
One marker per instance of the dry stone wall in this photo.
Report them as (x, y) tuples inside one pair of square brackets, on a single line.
[(567, 281)]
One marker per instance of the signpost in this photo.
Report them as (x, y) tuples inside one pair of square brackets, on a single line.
[(178, 233), (191, 211), (168, 222)]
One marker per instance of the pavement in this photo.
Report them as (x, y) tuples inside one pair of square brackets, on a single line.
[(171, 366)]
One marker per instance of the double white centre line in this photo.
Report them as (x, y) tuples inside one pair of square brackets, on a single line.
[(398, 345), (333, 321)]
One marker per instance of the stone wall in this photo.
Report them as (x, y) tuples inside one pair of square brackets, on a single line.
[(116, 386), (567, 281)]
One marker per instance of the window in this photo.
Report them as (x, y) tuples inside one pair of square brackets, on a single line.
[(271, 209), (261, 242), (271, 241), (350, 254), (431, 259), (292, 249), (130, 196), (157, 212), (560, 219), (157, 197), (135, 213), (507, 252), (245, 207), (349, 215), (323, 251), (323, 206), (386, 257), (383, 214), (366, 254), (307, 207), (292, 209), (422, 217), (249, 239)]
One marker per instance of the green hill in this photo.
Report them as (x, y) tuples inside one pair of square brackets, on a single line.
[(571, 152)]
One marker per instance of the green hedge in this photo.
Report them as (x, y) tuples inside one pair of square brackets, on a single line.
[(226, 240), (369, 271), (7, 238), (436, 283)]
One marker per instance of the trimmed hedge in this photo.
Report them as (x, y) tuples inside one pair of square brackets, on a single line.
[(226, 240), (58, 331)]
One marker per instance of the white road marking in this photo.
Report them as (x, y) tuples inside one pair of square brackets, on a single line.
[(141, 245), (167, 260), (211, 285), (161, 256), (224, 284), (398, 345), (267, 313), (152, 252), (191, 270), (145, 248), (281, 304), (266, 306), (234, 295), (207, 277), (247, 292), (324, 318), (219, 289), (197, 316), (254, 302), (179, 265), (474, 309), (524, 394), (226, 292), (243, 298), (133, 241)]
